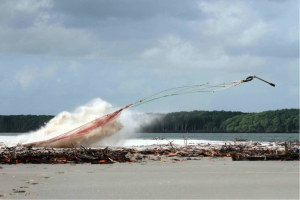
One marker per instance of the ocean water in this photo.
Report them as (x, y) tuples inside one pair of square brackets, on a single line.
[(262, 137)]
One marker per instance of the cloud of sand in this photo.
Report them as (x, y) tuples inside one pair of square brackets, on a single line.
[(66, 121)]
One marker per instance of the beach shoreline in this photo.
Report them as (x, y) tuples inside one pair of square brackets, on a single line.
[(163, 173), (208, 178)]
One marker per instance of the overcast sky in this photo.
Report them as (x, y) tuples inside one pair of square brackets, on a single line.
[(58, 55)]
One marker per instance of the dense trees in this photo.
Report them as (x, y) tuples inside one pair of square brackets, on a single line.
[(278, 121), (195, 121), (22, 123)]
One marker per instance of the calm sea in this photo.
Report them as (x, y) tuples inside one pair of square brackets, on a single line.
[(263, 137)]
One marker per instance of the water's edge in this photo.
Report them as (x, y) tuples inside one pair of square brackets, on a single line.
[(266, 137)]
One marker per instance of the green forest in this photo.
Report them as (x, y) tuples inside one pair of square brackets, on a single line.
[(22, 123), (278, 121)]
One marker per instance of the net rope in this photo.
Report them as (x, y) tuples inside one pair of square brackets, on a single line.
[(207, 87)]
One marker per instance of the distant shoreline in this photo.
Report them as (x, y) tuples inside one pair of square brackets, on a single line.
[(276, 121)]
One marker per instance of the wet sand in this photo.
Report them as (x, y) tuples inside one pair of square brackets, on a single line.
[(208, 178)]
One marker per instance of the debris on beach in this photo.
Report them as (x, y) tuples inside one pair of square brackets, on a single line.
[(29, 155), (282, 151), (239, 140)]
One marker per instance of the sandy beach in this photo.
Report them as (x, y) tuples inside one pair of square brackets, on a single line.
[(208, 178), (164, 178)]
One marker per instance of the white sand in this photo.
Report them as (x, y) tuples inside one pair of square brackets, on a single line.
[(205, 179)]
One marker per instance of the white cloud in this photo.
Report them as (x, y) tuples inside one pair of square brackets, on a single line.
[(173, 52), (250, 36), (74, 65), (43, 36), (225, 18), (53, 40), (233, 23), (27, 75), (32, 5), (172, 49), (120, 49), (9, 10)]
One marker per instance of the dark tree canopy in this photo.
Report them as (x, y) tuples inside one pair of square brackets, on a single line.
[(22, 123), (278, 121)]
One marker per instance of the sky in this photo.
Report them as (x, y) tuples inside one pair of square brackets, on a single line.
[(58, 55)]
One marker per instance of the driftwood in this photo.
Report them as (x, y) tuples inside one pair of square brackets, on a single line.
[(254, 151), (60, 156)]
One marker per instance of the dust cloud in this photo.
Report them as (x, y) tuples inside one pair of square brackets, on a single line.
[(111, 134)]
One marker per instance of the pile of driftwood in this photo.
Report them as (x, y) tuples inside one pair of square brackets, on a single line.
[(14, 155), (237, 151)]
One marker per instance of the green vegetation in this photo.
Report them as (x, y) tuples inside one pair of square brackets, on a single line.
[(22, 123), (278, 121)]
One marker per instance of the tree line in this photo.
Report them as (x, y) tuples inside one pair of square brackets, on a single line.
[(22, 123), (278, 121)]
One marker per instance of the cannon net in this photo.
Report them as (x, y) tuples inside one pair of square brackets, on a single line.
[(87, 131)]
